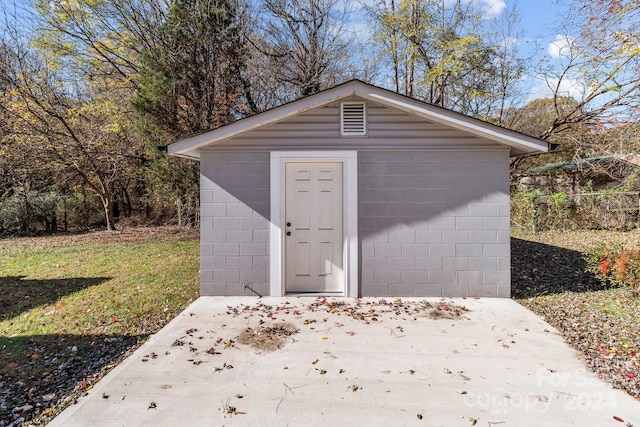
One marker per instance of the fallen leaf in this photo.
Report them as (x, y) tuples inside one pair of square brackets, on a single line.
[(472, 421), (325, 338), (618, 419), (314, 362), (630, 375), (461, 392)]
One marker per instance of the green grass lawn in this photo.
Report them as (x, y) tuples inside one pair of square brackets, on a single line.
[(71, 309), (68, 312)]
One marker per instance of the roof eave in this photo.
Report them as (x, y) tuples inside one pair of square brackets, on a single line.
[(276, 114), (518, 143)]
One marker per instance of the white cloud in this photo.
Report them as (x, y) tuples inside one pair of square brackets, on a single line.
[(546, 86), (492, 8), (575, 88), (561, 46)]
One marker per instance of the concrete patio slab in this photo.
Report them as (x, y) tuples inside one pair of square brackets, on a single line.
[(367, 362)]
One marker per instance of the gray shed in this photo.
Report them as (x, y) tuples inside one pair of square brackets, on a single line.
[(356, 191)]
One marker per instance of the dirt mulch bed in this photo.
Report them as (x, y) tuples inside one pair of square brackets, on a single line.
[(267, 338)]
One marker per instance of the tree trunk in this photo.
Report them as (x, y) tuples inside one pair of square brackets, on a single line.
[(108, 211), (126, 202), (66, 218), (26, 217), (179, 207)]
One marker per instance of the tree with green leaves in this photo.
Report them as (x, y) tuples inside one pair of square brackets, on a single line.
[(189, 82), (74, 127), (441, 52)]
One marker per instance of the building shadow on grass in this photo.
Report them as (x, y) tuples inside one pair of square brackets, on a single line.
[(18, 294), (539, 269), (43, 371)]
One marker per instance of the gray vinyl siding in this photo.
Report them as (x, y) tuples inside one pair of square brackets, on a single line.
[(234, 228), (434, 223), (433, 215), (320, 129)]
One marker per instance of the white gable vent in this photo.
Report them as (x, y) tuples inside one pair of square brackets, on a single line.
[(352, 119)]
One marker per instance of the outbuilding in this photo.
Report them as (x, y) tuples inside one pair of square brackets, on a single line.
[(356, 191)]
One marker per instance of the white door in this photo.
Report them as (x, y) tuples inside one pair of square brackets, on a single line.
[(313, 227)]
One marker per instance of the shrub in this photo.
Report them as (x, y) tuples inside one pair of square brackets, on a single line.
[(614, 265), (523, 209)]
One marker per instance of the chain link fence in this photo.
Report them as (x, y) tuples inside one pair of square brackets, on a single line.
[(608, 210)]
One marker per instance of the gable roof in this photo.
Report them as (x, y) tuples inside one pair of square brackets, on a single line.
[(518, 142)]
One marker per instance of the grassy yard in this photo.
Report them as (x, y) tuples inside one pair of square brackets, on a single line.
[(72, 308)]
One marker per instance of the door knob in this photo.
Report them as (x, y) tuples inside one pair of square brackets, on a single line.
[(288, 233)]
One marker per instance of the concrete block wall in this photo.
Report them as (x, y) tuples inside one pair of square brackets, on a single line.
[(234, 228), (434, 223)]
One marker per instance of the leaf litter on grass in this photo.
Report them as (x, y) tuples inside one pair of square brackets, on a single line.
[(102, 304), (548, 278)]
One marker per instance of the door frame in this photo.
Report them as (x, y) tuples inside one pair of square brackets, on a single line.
[(349, 160)]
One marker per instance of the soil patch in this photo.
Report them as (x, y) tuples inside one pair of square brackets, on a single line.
[(267, 338)]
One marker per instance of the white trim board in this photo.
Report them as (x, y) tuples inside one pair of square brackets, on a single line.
[(349, 159), (518, 143)]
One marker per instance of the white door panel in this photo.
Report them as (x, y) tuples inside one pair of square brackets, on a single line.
[(313, 227)]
